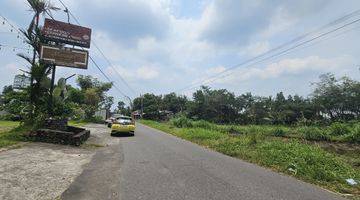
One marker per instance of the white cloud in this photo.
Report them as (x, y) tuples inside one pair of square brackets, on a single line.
[(141, 73), (147, 73), (215, 70), (255, 49), (295, 66)]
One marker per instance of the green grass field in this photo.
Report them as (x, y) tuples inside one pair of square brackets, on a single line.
[(11, 133), (280, 148)]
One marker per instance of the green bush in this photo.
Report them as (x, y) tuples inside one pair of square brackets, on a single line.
[(97, 120), (338, 129), (234, 130), (279, 132), (181, 122), (354, 136), (310, 162), (314, 133), (203, 124)]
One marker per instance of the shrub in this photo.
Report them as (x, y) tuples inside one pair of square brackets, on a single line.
[(314, 133), (181, 122), (255, 138), (338, 129), (279, 132), (203, 124), (95, 119), (354, 136), (234, 130)]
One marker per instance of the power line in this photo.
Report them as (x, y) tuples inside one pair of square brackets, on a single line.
[(282, 52), (13, 27), (297, 39), (13, 47), (101, 52), (97, 66)]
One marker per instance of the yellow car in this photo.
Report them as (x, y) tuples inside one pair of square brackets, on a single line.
[(123, 125)]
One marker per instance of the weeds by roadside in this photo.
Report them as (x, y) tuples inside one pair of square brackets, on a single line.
[(12, 133)]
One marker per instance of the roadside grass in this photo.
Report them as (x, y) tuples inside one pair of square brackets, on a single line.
[(283, 149), (8, 125), (11, 133), (77, 123)]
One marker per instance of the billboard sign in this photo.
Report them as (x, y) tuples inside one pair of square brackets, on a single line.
[(66, 33), (66, 57)]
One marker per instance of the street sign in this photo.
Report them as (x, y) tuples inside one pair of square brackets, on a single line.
[(66, 33), (66, 57), (21, 82)]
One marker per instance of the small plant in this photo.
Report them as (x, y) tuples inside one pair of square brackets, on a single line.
[(338, 129), (354, 136), (182, 122), (314, 133), (203, 124), (255, 138), (279, 132)]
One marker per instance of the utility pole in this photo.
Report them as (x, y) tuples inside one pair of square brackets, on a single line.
[(142, 105), (52, 90)]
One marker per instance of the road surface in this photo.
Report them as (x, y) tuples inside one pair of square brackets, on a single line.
[(157, 166)]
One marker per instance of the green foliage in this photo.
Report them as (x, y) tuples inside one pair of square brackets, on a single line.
[(94, 95), (97, 120), (354, 136), (11, 133), (332, 100), (314, 133), (122, 109), (338, 98), (181, 122), (279, 132), (303, 160), (338, 128), (152, 105), (173, 103), (312, 163)]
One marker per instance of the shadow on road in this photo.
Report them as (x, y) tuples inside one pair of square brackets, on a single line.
[(122, 135)]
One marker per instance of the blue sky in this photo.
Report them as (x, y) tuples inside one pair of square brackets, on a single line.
[(161, 46)]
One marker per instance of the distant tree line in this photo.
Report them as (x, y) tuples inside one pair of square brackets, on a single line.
[(333, 99)]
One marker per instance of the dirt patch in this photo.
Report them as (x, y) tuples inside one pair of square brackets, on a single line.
[(40, 171)]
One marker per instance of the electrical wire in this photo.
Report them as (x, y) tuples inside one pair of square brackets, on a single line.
[(98, 67), (101, 52), (297, 39)]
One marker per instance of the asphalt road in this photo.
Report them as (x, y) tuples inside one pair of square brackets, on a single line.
[(154, 165)]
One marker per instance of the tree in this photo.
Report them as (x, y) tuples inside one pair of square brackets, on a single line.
[(123, 109), (151, 103), (213, 105), (14, 101), (94, 93), (7, 89), (174, 103), (39, 87), (339, 99)]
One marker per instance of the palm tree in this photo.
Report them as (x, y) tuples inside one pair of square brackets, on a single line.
[(38, 71)]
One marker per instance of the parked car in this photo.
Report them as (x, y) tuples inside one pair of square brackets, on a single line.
[(123, 125)]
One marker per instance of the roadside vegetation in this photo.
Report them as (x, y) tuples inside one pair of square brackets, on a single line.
[(40, 101), (11, 133), (314, 138), (298, 151)]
